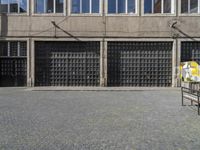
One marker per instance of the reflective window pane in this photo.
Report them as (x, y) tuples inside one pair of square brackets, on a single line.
[(13, 48), (157, 6), (75, 6), (167, 6), (184, 6), (111, 6), (13, 6), (147, 6), (39, 6), (59, 6), (85, 6), (193, 6), (23, 49), (121, 6), (4, 6), (95, 6), (131, 6), (3, 48), (23, 6), (49, 6)]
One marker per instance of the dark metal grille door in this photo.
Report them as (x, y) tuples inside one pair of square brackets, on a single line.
[(140, 64), (13, 63), (13, 71), (190, 51), (67, 63)]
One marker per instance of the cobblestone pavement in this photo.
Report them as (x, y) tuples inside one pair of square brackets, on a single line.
[(89, 120)]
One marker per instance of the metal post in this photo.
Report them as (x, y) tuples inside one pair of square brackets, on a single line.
[(198, 104), (182, 95)]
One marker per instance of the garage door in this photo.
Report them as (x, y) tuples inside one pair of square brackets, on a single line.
[(67, 63), (13, 63), (190, 51), (140, 64)]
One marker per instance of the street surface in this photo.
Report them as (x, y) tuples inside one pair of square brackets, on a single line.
[(94, 120)]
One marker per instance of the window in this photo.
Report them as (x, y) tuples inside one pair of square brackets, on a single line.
[(13, 48), (3, 48), (158, 6), (190, 6), (122, 6), (85, 6), (59, 6), (4, 6), (13, 6), (23, 5), (49, 6)]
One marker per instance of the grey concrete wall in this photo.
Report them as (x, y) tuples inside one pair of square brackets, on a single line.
[(100, 28), (97, 26)]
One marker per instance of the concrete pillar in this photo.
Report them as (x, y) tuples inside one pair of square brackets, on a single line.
[(174, 64), (103, 63), (32, 62), (29, 63), (178, 61)]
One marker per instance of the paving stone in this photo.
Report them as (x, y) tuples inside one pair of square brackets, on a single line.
[(93, 120)]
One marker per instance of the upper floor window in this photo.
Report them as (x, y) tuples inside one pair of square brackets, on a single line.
[(190, 6), (85, 6), (49, 6), (158, 6), (13, 6), (122, 6), (13, 48)]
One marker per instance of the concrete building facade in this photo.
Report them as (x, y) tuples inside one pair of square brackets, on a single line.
[(141, 44)]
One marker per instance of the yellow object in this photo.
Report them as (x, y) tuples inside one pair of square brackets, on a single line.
[(190, 71)]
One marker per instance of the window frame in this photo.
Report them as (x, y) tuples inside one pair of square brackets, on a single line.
[(8, 47), (54, 13), (18, 11), (85, 14), (126, 9), (188, 14), (173, 9)]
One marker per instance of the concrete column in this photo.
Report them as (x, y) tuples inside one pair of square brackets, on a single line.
[(174, 64), (103, 63), (178, 61), (29, 63), (32, 62)]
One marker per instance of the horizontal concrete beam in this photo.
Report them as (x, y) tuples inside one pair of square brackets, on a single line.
[(94, 26)]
